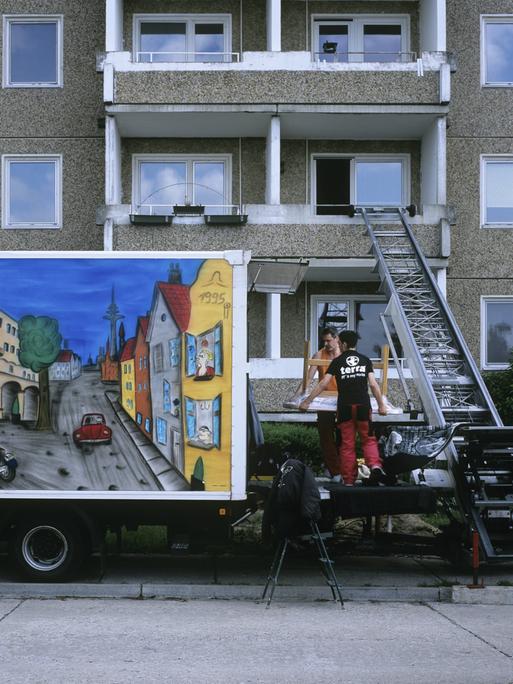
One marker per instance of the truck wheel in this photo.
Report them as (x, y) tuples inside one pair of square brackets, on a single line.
[(47, 551)]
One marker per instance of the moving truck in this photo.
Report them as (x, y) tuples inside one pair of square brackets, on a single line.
[(123, 389)]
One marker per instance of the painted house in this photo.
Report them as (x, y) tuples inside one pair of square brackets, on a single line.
[(16, 382), (127, 377), (207, 381), (143, 416), (67, 366), (169, 318), (109, 367)]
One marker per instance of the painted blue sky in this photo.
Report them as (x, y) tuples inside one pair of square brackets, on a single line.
[(77, 293)]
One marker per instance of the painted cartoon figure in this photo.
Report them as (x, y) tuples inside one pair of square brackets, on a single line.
[(205, 435), (205, 362)]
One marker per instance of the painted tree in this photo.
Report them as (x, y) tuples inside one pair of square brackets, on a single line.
[(40, 344)]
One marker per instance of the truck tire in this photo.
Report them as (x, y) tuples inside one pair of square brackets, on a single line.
[(47, 550)]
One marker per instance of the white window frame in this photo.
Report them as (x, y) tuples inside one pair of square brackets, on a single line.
[(6, 186), (356, 23), (405, 160), (485, 159), (492, 19), (189, 160), (190, 20), (350, 299), (32, 19), (485, 299)]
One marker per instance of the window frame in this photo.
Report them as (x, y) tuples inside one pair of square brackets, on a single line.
[(485, 299), (484, 20), (8, 19), (189, 160), (6, 186), (484, 160), (351, 300), (404, 158), (355, 36), (190, 20)]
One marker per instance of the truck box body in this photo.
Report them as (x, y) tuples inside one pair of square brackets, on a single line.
[(123, 375)]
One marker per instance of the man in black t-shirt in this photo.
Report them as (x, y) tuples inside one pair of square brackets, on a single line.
[(354, 375)]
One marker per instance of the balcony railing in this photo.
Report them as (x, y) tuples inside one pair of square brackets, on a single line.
[(170, 57), (365, 57), (168, 209)]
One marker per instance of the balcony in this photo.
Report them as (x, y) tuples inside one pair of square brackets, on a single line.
[(282, 78)]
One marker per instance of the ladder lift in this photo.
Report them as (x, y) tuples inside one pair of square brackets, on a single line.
[(449, 383)]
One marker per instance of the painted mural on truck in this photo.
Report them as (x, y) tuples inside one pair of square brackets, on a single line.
[(115, 374)]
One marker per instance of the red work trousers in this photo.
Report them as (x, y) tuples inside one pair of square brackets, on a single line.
[(352, 420), (327, 426)]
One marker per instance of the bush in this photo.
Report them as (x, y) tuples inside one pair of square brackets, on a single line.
[(300, 441), (500, 386)]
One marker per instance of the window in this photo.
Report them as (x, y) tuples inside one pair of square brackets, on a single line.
[(161, 431), (205, 353), (203, 422), (6, 347), (31, 191), (147, 425), (497, 50), (138, 418), (13, 330), (158, 358), (182, 38), (32, 52), (174, 352), (496, 332), (496, 191), (161, 182), (8, 327), (362, 180), (361, 314), (361, 39)]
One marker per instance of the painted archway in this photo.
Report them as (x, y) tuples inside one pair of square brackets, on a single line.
[(30, 404), (10, 391)]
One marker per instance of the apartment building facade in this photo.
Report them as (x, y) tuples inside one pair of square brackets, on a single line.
[(171, 125)]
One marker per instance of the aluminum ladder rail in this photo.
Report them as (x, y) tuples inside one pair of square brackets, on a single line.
[(448, 381), (450, 385)]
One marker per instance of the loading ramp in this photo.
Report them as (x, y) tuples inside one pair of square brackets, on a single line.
[(450, 386)]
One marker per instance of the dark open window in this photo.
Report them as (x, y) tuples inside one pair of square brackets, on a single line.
[(333, 185)]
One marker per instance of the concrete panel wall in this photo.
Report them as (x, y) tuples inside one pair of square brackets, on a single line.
[(71, 111), (464, 297), (475, 111), (296, 18), (476, 251), (281, 87), (82, 191), (62, 121), (264, 240)]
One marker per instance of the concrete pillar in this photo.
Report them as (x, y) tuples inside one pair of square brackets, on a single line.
[(273, 162), (434, 163), (273, 327), (114, 25), (274, 25), (432, 22), (112, 161)]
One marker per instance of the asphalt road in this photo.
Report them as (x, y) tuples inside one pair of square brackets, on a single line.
[(50, 460), (119, 641)]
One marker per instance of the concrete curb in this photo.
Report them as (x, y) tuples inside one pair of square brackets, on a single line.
[(190, 592), (492, 596)]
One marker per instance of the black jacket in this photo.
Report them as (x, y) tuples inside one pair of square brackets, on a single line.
[(294, 500)]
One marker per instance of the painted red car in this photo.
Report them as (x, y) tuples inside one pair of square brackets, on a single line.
[(93, 430)]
